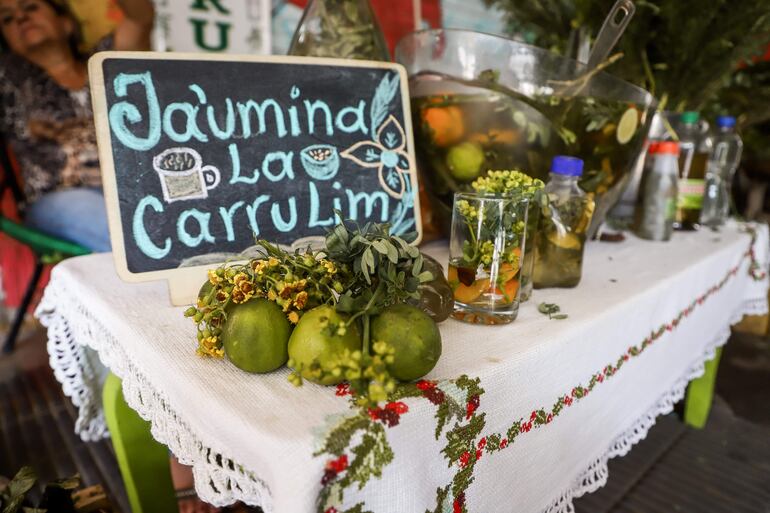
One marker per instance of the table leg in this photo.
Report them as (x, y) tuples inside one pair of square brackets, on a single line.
[(143, 462), (700, 394)]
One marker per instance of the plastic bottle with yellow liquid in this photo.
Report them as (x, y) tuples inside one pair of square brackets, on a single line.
[(695, 149)]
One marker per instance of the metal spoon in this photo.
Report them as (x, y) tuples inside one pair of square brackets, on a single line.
[(612, 28)]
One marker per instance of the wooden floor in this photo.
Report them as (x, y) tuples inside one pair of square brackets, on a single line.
[(723, 468), (37, 427)]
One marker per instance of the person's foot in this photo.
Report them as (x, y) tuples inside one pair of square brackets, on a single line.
[(181, 475), (195, 505), (184, 486)]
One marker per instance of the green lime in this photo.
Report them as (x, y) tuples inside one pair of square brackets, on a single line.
[(629, 121), (414, 337), (465, 161), (255, 336), (313, 341)]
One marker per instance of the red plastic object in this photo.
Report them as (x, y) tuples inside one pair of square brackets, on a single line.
[(17, 262), (670, 147)]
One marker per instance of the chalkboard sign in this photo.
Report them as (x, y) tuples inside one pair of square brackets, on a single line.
[(202, 154)]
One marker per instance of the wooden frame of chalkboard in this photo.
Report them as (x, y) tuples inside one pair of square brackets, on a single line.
[(201, 152)]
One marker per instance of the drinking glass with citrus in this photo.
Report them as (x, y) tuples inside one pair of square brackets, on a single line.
[(485, 256)]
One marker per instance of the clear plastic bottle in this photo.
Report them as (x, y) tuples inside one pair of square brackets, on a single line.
[(343, 29), (656, 208), (725, 157), (695, 149), (561, 239)]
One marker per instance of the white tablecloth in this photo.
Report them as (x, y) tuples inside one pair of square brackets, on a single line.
[(543, 406)]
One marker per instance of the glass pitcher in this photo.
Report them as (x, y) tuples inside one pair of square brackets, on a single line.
[(343, 29)]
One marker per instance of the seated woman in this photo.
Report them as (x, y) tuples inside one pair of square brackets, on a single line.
[(45, 112)]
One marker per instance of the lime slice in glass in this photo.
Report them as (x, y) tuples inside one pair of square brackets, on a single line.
[(627, 125)]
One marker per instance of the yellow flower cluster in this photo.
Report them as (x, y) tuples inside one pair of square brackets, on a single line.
[(331, 269), (359, 369), (210, 346), (466, 210), (296, 282), (333, 328), (487, 250), (513, 181), (243, 288), (214, 277)]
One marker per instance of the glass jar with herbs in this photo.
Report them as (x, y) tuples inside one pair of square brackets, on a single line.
[(485, 256), (517, 183), (343, 29), (565, 219)]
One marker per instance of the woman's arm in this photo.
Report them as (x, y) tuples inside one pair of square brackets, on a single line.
[(133, 33)]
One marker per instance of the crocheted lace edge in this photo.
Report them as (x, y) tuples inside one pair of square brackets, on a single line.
[(595, 476), (219, 479)]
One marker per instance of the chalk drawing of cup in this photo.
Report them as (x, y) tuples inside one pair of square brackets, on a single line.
[(321, 161), (183, 175)]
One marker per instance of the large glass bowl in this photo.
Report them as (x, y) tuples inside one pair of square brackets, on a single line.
[(482, 102)]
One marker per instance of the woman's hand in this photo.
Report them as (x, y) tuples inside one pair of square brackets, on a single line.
[(133, 33)]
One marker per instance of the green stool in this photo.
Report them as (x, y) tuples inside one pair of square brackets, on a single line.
[(143, 462), (700, 394)]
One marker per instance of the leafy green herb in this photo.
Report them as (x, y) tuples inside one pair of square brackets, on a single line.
[(14, 494), (386, 270), (551, 310), (683, 50), (344, 29), (490, 75), (57, 495)]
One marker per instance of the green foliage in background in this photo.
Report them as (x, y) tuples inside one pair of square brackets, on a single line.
[(57, 495), (683, 51), (690, 54)]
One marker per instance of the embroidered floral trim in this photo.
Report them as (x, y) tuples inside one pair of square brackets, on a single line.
[(465, 443), (355, 448)]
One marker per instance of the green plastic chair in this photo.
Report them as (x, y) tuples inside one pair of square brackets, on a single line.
[(47, 249), (143, 461)]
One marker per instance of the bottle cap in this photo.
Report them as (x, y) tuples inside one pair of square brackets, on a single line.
[(567, 166), (668, 147), (725, 121), (689, 117)]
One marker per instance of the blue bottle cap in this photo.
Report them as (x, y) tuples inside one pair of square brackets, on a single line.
[(567, 166), (725, 121)]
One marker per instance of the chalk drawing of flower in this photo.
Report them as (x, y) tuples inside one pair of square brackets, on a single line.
[(387, 154)]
